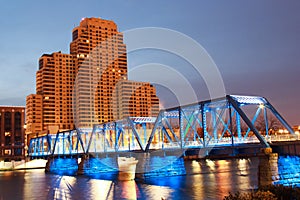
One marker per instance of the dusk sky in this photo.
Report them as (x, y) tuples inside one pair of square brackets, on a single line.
[(255, 44)]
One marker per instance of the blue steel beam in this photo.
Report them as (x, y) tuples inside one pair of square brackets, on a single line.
[(191, 123), (54, 146), (116, 136), (214, 121), (156, 124), (91, 138), (171, 129), (230, 122), (238, 125), (181, 127), (167, 134), (266, 121), (30, 148), (145, 132), (203, 117), (79, 140), (120, 138), (64, 143), (137, 137), (225, 124), (253, 121), (49, 143)]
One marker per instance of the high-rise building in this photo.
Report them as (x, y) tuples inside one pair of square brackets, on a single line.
[(101, 61), (12, 140), (88, 86)]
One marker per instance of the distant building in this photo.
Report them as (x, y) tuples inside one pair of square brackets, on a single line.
[(85, 87), (136, 99), (12, 134)]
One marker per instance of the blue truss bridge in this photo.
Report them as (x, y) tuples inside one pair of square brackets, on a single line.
[(230, 124), (229, 121)]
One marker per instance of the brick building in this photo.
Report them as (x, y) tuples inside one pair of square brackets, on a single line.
[(12, 121)]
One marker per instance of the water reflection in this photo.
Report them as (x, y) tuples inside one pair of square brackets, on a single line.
[(210, 179), (100, 189)]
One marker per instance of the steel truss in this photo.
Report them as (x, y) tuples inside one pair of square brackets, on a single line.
[(226, 121)]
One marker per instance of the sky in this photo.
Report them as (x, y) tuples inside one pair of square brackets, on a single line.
[(254, 44)]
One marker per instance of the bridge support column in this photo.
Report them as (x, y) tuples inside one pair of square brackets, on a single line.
[(48, 164), (268, 167), (81, 165)]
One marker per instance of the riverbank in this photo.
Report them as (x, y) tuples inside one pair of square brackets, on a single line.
[(22, 165)]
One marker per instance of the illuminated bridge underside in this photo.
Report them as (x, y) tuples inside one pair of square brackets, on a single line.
[(227, 121)]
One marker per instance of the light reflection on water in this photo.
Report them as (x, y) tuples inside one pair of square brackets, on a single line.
[(207, 180)]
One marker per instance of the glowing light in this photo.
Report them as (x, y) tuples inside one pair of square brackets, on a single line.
[(46, 98), (261, 106), (249, 99), (143, 119)]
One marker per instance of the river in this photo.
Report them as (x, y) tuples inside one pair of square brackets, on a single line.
[(207, 179)]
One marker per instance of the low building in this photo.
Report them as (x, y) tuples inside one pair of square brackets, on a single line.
[(12, 133)]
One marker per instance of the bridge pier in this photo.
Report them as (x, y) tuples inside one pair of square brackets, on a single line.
[(81, 165), (268, 167), (48, 164)]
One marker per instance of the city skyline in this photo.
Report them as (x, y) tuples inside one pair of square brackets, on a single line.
[(254, 44)]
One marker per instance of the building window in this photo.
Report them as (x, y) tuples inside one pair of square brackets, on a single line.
[(7, 122), (18, 123)]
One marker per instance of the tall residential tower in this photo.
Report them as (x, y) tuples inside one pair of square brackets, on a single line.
[(88, 86)]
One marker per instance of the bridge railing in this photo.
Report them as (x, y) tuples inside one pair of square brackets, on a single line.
[(287, 137)]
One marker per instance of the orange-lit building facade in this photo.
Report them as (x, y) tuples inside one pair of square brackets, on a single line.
[(101, 61), (12, 134), (135, 99), (84, 87)]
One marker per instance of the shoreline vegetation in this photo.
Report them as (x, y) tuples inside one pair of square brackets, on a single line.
[(270, 192)]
